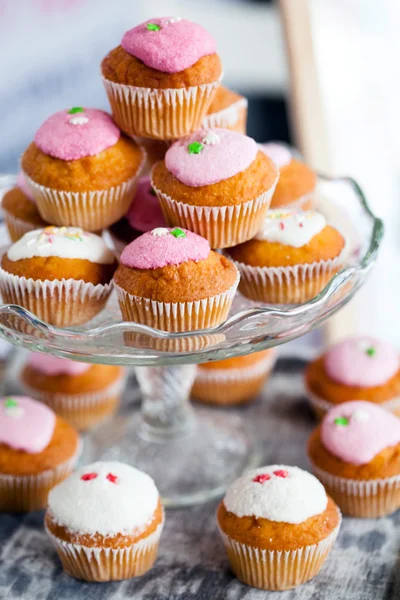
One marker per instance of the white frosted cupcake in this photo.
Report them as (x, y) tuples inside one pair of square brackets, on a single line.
[(105, 521)]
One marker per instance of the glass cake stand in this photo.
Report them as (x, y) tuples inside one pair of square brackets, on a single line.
[(194, 454)]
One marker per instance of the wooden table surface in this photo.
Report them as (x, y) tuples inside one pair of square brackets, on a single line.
[(364, 564)]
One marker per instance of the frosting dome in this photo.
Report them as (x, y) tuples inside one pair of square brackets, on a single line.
[(291, 228), (277, 493), (25, 424), (168, 44), (357, 431), (76, 133), (278, 153), (52, 365), (145, 211), (21, 183), (106, 498), (64, 242), (361, 362), (164, 246), (209, 156)]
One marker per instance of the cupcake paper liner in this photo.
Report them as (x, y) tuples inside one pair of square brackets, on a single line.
[(17, 227), (305, 202), (24, 493), (156, 113), (62, 302), (233, 117), (108, 564), (277, 569), (177, 316), (362, 498), (222, 226), (92, 210)]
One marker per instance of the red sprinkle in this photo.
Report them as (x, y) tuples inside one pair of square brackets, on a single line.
[(281, 473), (282, 225), (112, 478), (262, 478), (300, 224), (89, 476)]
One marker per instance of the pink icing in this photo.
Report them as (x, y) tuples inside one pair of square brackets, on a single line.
[(350, 363), (151, 251), (232, 154), (278, 153), (52, 365), (369, 430), (145, 211), (27, 426), (58, 137), (175, 47), (21, 183)]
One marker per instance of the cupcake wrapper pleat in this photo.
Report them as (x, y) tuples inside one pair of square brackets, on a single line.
[(17, 227), (233, 117), (156, 113)]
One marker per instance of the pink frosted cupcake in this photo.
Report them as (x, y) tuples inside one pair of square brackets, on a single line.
[(355, 453), (144, 214), (161, 79), (217, 184), (359, 368), (20, 211), (81, 170)]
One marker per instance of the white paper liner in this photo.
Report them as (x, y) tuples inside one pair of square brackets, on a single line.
[(238, 374), (61, 302), (108, 564), (278, 569), (92, 210), (297, 204), (177, 316), (17, 227), (362, 498), (229, 117), (157, 113), (222, 226)]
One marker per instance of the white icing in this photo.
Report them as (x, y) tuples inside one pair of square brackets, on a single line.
[(211, 138), (278, 153), (291, 228), (64, 242), (292, 499), (79, 120), (101, 506), (160, 231)]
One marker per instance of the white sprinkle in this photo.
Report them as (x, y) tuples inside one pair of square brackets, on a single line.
[(160, 231), (15, 412), (172, 20), (211, 138), (79, 120), (360, 415)]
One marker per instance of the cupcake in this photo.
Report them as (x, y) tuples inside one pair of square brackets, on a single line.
[(105, 522), (37, 451), (227, 110), (20, 211), (61, 274), (144, 214), (297, 181), (234, 380), (355, 453), (278, 527), (160, 81), (80, 393), (291, 259), (359, 368), (217, 184), (81, 170), (171, 280)]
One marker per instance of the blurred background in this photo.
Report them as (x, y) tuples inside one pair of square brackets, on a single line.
[(319, 74)]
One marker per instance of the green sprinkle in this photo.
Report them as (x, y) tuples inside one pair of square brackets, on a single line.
[(178, 233), (153, 27), (10, 403), (195, 147), (341, 421), (152, 191), (75, 109), (371, 351)]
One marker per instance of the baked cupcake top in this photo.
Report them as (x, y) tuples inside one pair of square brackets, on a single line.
[(361, 362), (145, 211), (168, 44), (106, 498), (53, 365), (25, 424), (279, 153), (357, 431), (291, 228), (277, 493), (22, 185)]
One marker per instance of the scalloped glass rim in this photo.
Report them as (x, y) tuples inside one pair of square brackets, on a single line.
[(252, 328)]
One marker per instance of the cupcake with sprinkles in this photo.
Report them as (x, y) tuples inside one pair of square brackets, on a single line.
[(278, 526), (161, 79), (63, 275), (297, 181), (291, 259), (228, 110), (144, 214), (170, 279), (358, 368), (20, 211), (37, 451), (81, 170), (105, 522), (355, 453), (82, 394), (216, 183)]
